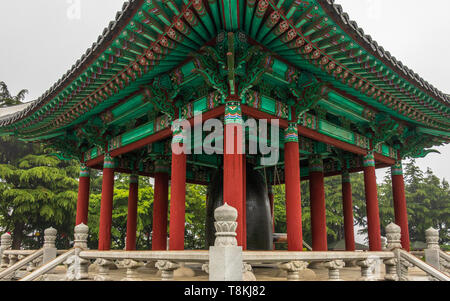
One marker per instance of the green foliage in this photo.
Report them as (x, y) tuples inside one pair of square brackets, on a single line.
[(195, 217), (6, 99), (428, 203), (12, 150), (120, 213), (38, 191)]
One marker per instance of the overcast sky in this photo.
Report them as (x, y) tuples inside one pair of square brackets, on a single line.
[(41, 40)]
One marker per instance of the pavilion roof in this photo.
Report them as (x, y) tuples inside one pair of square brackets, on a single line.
[(147, 39), (9, 111), (336, 12)]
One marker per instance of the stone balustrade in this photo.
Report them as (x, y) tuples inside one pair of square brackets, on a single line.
[(17, 263), (224, 261), (5, 244), (434, 256)]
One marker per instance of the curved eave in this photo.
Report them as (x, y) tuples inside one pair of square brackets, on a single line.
[(70, 80), (342, 19), (86, 61)]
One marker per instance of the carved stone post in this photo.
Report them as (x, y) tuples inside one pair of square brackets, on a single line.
[(12, 259), (247, 272), (166, 267), (77, 267), (333, 269), (432, 238), (394, 235), (383, 243), (225, 257), (391, 269), (49, 245), (131, 266), (81, 234), (205, 268), (104, 265), (293, 268), (33, 265), (432, 251), (367, 266), (19, 272), (5, 244)]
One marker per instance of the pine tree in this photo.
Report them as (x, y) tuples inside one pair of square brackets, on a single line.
[(38, 191), (6, 99)]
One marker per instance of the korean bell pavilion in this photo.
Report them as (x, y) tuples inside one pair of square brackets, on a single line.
[(339, 102)]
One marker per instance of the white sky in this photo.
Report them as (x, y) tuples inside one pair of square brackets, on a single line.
[(41, 40)]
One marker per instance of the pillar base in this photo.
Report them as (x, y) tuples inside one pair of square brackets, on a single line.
[(304, 275)]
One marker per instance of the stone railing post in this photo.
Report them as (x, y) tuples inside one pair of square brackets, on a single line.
[(247, 272), (132, 266), (432, 251), (12, 259), (293, 269), (81, 234), (167, 268), (367, 267), (77, 267), (5, 244), (104, 266), (225, 257), (383, 243), (33, 265), (333, 269), (394, 235), (49, 245)]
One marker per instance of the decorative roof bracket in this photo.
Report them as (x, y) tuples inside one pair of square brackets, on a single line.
[(383, 128), (161, 94), (308, 98), (415, 145)]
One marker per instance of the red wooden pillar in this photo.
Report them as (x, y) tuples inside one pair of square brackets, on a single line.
[(160, 207), (132, 213), (83, 195), (106, 205), (293, 193), (317, 203), (233, 166), (178, 193), (347, 204), (400, 211), (373, 214)]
